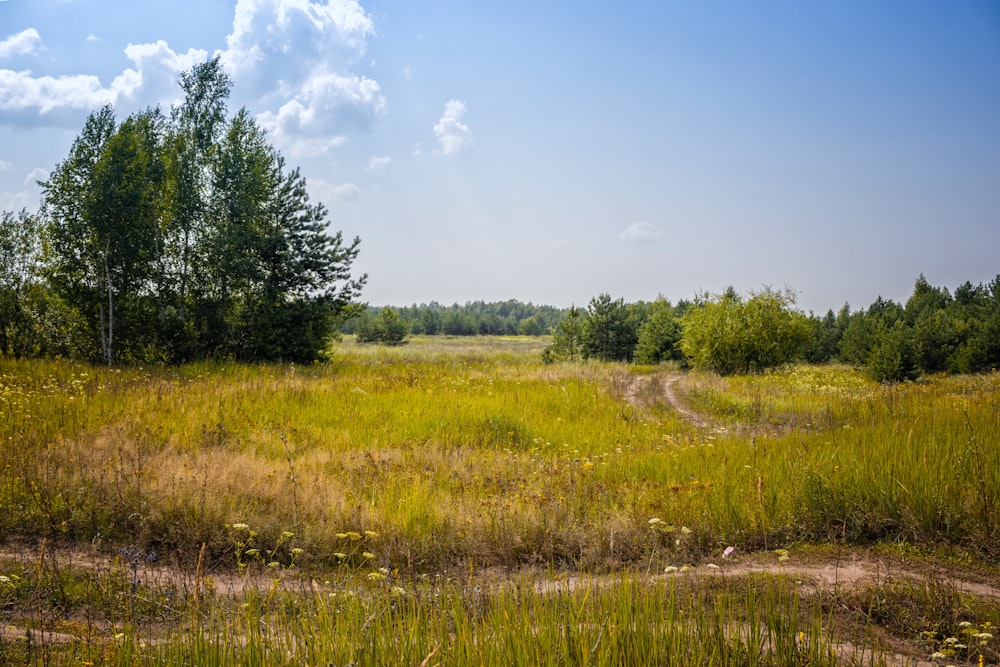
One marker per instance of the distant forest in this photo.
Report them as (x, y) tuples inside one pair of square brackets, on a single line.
[(476, 318), (934, 331)]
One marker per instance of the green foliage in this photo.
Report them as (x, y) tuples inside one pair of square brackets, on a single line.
[(386, 328), (934, 332), (893, 356), (19, 267), (609, 331), (188, 237), (660, 335), (475, 318), (828, 333), (567, 338), (730, 335)]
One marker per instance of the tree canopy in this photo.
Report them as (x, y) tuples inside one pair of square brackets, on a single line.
[(186, 237)]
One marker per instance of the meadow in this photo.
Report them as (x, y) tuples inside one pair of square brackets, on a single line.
[(457, 501)]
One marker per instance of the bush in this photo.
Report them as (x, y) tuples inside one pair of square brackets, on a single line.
[(386, 328), (729, 335)]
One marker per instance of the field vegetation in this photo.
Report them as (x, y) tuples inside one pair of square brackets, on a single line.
[(458, 501)]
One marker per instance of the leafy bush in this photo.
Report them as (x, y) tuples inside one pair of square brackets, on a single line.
[(731, 335), (386, 328)]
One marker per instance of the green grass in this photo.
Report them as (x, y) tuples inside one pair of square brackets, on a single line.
[(448, 455)]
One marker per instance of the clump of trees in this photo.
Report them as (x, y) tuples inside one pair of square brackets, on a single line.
[(386, 328), (934, 331), (173, 237), (612, 330)]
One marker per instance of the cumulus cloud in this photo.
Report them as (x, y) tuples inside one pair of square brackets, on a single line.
[(297, 56), (640, 231), (23, 43), (454, 135), (293, 58), (152, 81), (378, 163), (323, 109), (273, 39)]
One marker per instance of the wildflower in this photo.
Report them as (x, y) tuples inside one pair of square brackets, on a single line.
[(296, 551), (274, 563), (965, 624), (983, 636), (671, 569), (937, 655), (339, 555), (782, 554), (241, 526), (368, 555), (655, 520), (728, 552), (685, 530), (341, 536), (712, 566), (398, 591), (4, 579), (685, 568), (375, 576), (287, 535), (353, 536), (371, 534)]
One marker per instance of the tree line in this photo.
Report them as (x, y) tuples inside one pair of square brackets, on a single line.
[(476, 318), (934, 331), (169, 237)]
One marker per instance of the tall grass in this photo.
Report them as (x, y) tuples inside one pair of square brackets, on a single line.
[(490, 457), (633, 621), (395, 468)]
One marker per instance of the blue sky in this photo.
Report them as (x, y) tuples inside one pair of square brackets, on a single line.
[(550, 152)]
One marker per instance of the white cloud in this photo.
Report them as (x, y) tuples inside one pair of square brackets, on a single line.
[(378, 163), (35, 175), (21, 91), (273, 39), (454, 135), (153, 81), (640, 231), (93, 38), (293, 58), (23, 43), (15, 201), (324, 108), (346, 192), (297, 56)]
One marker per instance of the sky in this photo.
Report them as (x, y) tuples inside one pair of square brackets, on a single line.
[(553, 151)]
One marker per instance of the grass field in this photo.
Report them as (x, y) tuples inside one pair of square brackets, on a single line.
[(456, 501)]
